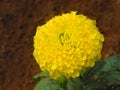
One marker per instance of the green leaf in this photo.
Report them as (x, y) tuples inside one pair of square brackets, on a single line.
[(94, 86), (74, 84), (47, 84), (94, 70), (41, 74), (117, 64), (113, 77), (111, 63)]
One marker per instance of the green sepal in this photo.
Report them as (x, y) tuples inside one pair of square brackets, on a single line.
[(62, 80), (41, 74)]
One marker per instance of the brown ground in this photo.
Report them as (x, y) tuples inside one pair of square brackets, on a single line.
[(18, 21)]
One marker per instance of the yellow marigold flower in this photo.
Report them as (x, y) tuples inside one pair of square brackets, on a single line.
[(67, 44)]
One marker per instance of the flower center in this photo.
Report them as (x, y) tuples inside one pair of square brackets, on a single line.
[(63, 37)]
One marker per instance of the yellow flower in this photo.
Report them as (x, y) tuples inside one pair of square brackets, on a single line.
[(67, 44)]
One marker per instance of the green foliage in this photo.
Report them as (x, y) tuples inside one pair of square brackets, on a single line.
[(94, 86), (113, 77), (112, 63), (93, 71), (41, 74), (74, 84), (47, 84), (105, 75)]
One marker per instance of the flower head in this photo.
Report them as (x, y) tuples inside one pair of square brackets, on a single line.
[(67, 44)]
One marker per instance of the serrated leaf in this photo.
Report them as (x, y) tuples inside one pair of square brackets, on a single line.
[(94, 86), (118, 63), (111, 63), (74, 84), (113, 77), (41, 74), (47, 84), (94, 70)]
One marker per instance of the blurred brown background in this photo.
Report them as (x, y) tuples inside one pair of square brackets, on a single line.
[(18, 22)]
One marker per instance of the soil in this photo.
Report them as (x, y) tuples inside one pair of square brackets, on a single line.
[(18, 22)]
